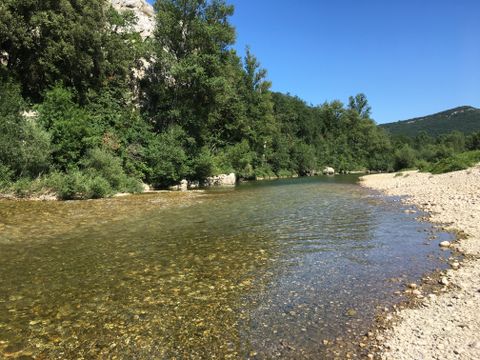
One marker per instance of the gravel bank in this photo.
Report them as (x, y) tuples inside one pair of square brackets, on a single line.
[(447, 326)]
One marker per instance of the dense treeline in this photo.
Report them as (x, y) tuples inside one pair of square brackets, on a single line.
[(112, 110)]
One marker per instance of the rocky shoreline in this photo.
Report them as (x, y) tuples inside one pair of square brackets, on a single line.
[(444, 326)]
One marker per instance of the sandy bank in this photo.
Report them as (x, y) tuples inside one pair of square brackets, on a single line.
[(447, 326)]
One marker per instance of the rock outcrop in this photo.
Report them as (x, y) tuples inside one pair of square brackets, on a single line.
[(142, 10), (221, 180), (329, 171)]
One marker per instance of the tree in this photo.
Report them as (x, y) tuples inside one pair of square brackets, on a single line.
[(360, 105), (24, 145), (83, 44)]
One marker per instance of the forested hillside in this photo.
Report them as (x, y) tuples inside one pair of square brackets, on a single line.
[(89, 107), (465, 119)]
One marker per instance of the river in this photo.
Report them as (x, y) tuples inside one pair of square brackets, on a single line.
[(278, 269)]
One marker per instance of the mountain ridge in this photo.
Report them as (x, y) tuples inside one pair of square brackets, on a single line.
[(464, 118)]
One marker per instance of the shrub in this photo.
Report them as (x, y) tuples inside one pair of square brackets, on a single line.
[(98, 188), (167, 158), (71, 185), (285, 173), (6, 175), (457, 162), (24, 145), (101, 163), (72, 128), (203, 165), (404, 158), (264, 172), (241, 158), (304, 157)]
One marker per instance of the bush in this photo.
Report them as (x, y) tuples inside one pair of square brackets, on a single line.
[(264, 172), (285, 173), (422, 164), (72, 128), (405, 158), (98, 188), (24, 145), (203, 165), (304, 158), (101, 163), (241, 158), (167, 158), (6, 175), (454, 163), (70, 186)]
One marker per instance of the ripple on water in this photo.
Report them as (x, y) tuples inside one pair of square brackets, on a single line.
[(268, 270)]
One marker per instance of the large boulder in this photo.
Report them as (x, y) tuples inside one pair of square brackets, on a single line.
[(329, 171), (221, 180), (182, 186)]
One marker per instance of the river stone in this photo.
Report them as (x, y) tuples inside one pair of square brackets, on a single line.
[(455, 265), (445, 244), (416, 292), (351, 312), (444, 281)]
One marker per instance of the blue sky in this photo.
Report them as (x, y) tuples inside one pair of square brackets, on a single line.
[(410, 57)]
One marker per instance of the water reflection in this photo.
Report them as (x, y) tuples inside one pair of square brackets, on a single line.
[(266, 270)]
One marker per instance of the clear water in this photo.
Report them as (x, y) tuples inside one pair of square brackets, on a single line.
[(265, 270)]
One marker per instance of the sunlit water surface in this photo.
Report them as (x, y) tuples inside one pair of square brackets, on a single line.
[(265, 270)]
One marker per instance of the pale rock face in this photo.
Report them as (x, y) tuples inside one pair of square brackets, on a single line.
[(329, 171), (144, 12), (221, 180)]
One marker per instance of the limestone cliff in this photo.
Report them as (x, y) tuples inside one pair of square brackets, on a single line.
[(144, 12)]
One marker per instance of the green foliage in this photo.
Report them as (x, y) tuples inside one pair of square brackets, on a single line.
[(24, 145), (72, 130), (75, 185), (405, 158), (456, 162), (6, 176), (167, 157), (241, 158), (304, 158), (203, 165), (103, 167), (200, 110), (84, 45), (473, 141)]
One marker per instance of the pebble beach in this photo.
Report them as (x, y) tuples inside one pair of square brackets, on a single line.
[(445, 326)]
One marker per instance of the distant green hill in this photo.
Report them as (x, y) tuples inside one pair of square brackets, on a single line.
[(465, 119)]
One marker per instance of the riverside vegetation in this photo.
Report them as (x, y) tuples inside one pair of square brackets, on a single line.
[(89, 108)]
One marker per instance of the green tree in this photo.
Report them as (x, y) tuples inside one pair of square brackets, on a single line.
[(83, 44), (190, 83), (24, 145), (359, 104)]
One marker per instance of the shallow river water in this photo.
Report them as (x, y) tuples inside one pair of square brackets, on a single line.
[(265, 270)]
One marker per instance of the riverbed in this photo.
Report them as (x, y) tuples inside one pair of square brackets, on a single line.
[(290, 269)]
